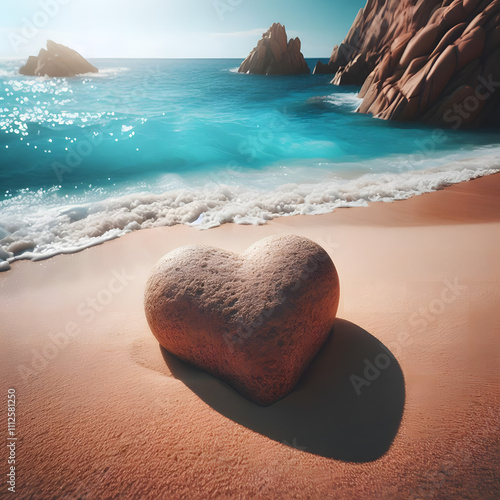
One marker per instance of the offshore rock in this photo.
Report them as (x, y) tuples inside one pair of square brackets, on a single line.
[(433, 61), (274, 56), (57, 61)]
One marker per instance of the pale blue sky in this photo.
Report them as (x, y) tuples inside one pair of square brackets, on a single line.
[(170, 28)]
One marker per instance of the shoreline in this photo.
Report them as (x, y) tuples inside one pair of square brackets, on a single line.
[(421, 276), (416, 218)]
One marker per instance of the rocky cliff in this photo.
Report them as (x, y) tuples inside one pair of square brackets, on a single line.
[(57, 61), (427, 60), (273, 55)]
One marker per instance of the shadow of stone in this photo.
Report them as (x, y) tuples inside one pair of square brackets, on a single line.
[(340, 408)]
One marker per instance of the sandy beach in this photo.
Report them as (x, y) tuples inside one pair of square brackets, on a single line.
[(103, 412)]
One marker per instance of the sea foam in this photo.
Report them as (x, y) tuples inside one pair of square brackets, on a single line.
[(51, 228)]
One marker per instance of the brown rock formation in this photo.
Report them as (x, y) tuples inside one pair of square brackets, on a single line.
[(57, 61), (436, 61), (274, 56), (255, 320)]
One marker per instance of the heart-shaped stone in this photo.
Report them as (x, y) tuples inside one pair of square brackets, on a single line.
[(255, 320)]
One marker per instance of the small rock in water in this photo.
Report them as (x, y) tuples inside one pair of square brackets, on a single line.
[(274, 56), (57, 61)]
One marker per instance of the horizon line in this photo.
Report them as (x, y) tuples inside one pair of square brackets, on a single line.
[(16, 58)]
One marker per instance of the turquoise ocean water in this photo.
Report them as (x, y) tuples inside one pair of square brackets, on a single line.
[(149, 143)]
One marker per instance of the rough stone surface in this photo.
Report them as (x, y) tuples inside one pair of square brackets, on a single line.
[(274, 56), (57, 61), (428, 60), (255, 320)]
